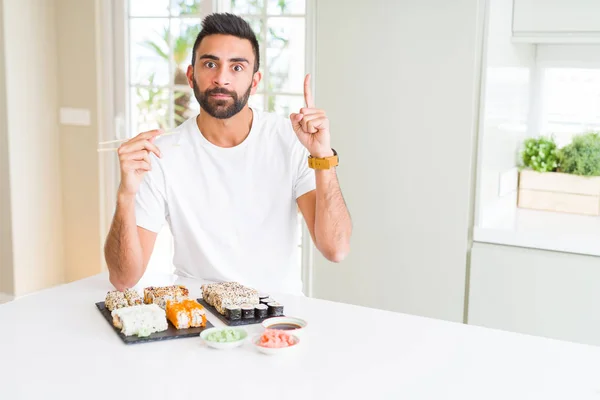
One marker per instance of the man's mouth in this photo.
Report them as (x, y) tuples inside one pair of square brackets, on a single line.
[(220, 96)]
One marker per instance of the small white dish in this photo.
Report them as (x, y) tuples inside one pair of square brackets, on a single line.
[(275, 350), (223, 345), (285, 324)]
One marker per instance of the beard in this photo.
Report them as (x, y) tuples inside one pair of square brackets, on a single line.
[(221, 108)]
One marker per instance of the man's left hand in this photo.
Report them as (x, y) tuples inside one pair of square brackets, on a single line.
[(312, 126)]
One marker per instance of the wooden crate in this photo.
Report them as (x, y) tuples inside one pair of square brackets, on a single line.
[(554, 191)]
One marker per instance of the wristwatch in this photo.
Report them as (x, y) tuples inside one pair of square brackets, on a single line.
[(324, 163)]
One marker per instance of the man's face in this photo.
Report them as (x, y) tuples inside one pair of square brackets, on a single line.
[(223, 76)]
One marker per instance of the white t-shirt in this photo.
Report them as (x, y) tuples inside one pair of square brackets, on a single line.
[(232, 211)]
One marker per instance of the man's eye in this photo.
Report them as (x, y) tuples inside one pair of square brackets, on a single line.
[(238, 68), (210, 64)]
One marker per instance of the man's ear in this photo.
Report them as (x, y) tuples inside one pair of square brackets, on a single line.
[(255, 81), (190, 75)]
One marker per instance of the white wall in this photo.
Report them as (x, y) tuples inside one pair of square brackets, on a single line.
[(399, 81), (6, 260), (50, 198), (33, 144), (79, 64), (536, 292)]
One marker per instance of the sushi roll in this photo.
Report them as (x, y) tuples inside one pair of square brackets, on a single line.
[(133, 297), (275, 309), (197, 313), (186, 314), (141, 320), (247, 311), (115, 300), (178, 315), (266, 300), (221, 295), (261, 311), (233, 312), (263, 296), (160, 295)]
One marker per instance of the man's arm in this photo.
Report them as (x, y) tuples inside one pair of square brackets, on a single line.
[(323, 209), (128, 247), (327, 216)]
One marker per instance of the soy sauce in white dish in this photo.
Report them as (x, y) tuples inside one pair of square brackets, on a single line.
[(285, 326)]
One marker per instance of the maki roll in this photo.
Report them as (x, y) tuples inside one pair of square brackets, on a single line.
[(233, 312), (115, 300), (261, 311), (262, 296), (275, 309), (266, 300), (247, 311)]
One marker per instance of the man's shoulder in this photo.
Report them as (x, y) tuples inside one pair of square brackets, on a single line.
[(176, 135)]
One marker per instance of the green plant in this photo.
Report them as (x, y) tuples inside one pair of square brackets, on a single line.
[(582, 155), (540, 154), (181, 51), (152, 104)]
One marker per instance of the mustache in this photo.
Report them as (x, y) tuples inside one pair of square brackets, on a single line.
[(220, 91)]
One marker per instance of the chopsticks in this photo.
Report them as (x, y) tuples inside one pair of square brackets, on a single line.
[(100, 149)]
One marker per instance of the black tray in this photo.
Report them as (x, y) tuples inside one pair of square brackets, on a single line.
[(170, 333), (236, 322)]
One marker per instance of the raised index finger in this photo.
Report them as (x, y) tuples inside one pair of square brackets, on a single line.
[(308, 93)]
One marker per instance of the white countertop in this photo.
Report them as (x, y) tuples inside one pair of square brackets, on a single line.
[(508, 225), (56, 345)]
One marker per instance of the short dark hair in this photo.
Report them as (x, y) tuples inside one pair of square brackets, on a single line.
[(227, 24)]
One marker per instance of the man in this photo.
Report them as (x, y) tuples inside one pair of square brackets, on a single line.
[(229, 180)]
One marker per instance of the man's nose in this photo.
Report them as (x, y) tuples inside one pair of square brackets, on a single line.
[(222, 77)]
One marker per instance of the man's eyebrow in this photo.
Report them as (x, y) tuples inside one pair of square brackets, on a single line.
[(215, 58), (239, 59), (209, 56)]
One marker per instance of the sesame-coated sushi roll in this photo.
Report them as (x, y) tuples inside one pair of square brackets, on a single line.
[(115, 300), (133, 298), (160, 295), (221, 295)]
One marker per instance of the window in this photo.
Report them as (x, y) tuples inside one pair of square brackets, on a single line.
[(550, 90), (158, 44), (280, 29), (570, 102)]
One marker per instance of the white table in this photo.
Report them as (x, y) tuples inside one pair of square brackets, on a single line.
[(56, 345)]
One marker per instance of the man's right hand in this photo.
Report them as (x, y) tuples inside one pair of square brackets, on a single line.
[(134, 160)]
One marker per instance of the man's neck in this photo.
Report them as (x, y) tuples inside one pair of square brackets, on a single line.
[(228, 132)]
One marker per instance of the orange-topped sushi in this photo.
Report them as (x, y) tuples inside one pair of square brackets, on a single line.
[(186, 314)]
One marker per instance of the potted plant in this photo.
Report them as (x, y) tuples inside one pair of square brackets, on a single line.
[(565, 180)]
